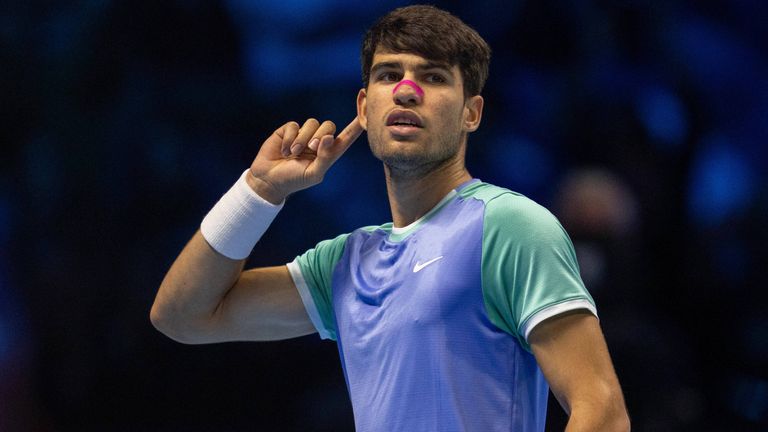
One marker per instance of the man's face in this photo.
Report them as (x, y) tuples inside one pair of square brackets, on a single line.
[(412, 130)]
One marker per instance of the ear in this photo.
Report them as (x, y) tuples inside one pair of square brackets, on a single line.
[(473, 113), (361, 109)]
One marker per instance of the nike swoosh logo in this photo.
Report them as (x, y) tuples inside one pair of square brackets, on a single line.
[(417, 268)]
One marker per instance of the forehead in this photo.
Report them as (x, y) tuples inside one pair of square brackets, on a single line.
[(409, 61)]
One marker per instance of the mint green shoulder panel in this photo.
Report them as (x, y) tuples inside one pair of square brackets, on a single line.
[(528, 260), (317, 266)]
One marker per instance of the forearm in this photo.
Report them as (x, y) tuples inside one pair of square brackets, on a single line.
[(211, 263), (203, 298), (192, 289)]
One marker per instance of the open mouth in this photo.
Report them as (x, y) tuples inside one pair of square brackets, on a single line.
[(404, 119)]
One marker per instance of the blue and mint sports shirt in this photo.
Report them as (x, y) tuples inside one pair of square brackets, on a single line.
[(432, 320)]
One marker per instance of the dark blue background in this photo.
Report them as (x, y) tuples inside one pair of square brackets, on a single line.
[(641, 124)]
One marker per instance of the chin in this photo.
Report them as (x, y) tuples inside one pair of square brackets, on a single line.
[(408, 164), (398, 153)]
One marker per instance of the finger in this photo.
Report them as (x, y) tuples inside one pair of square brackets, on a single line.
[(324, 158), (302, 138), (331, 149), (289, 132), (346, 137), (327, 128)]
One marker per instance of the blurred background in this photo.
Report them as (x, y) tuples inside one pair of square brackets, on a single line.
[(642, 125)]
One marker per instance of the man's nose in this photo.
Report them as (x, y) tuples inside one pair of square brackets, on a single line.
[(407, 92)]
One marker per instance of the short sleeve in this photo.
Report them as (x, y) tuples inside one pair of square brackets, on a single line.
[(529, 267), (312, 273)]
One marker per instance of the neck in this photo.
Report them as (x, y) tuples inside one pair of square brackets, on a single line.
[(412, 194)]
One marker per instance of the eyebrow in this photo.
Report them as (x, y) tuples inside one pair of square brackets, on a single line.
[(421, 66)]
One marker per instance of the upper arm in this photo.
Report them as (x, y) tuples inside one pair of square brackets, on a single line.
[(263, 304), (571, 352), (529, 267), (266, 304)]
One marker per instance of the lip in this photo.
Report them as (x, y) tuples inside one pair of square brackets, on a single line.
[(399, 131), (404, 130), (401, 115)]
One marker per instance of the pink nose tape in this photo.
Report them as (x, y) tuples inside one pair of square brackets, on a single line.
[(413, 85)]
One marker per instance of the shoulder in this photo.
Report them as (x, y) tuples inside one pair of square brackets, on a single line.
[(507, 210), (341, 239)]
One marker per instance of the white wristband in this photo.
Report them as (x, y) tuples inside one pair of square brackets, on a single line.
[(238, 220)]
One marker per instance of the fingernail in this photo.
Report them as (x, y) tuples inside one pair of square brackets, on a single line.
[(295, 149), (314, 143)]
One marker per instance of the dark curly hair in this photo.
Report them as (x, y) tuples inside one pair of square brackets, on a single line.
[(433, 34)]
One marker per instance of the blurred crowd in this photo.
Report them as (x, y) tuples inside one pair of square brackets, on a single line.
[(641, 124)]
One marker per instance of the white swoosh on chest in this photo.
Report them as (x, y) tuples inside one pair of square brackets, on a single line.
[(417, 268)]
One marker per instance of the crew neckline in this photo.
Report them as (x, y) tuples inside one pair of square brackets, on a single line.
[(398, 233), (440, 204)]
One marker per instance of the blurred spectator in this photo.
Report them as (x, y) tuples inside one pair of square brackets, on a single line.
[(602, 215)]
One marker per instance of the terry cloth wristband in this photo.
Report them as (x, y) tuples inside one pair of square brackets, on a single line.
[(238, 220)]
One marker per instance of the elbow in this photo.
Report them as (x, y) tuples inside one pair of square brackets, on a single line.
[(619, 417), (161, 321), (606, 412), (620, 422), (615, 415), (158, 319), (174, 328), (607, 419)]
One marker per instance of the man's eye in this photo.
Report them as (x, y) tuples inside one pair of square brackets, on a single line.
[(389, 76), (435, 78)]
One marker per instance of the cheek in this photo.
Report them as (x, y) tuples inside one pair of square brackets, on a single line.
[(372, 111), (450, 112)]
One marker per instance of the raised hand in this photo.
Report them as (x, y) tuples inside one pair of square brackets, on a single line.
[(295, 158)]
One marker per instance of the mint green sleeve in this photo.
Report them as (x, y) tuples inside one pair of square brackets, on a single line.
[(529, 267), (312, 273)]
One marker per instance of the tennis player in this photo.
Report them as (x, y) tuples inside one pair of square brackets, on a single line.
[(458, 315)]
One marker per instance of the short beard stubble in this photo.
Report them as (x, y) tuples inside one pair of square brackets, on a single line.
[(421, 162)]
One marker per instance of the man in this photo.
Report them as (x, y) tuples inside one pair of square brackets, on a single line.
[(455, 315)]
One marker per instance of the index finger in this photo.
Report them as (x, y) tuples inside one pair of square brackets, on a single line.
[(346, 137), (328, 150)]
